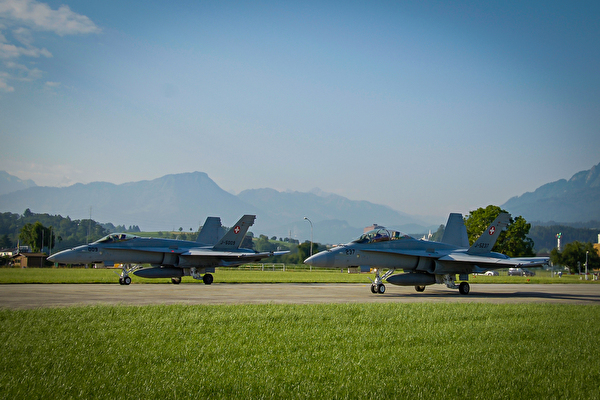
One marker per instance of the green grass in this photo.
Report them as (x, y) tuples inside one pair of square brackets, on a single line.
[(392, 350), (243, 275)]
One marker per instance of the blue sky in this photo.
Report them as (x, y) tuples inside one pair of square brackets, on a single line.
[(429, 107)]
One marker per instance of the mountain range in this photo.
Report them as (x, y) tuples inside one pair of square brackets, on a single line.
[(563, 201), (9, 183), (185, 200)]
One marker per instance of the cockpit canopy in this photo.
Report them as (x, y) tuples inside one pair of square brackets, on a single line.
[(380, 235), (116, 237)]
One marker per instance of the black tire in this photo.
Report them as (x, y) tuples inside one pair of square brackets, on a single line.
[(121, 281), (127, 280), (207, 279), (175, 281), (373, 289), (464, 288), (381, 289), (420, 288)]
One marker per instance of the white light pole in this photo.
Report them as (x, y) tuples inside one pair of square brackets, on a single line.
[(586, 263), (311, 234)]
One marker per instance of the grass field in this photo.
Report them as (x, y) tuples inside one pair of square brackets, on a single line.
[(243, 275), (391, 350)]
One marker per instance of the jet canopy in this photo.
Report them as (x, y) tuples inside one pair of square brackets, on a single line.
[(380, 235), (115, 237)]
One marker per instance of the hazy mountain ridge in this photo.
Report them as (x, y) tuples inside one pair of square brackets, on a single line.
[(565, 201), (10, 183), (185, 200), (169, 202)]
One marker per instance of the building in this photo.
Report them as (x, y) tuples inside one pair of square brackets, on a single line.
[(29, 260)]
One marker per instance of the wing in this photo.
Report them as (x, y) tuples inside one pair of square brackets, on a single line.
[(465, 262), (227, 258)]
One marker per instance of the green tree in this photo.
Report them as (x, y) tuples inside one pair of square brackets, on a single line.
[(37, 236), (439, 234), (513, 241), (5, 242), (574, 255)]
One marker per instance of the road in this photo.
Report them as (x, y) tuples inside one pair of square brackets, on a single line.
[(25, 296)]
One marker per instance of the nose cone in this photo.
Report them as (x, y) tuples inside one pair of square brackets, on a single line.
[(61, 257), (71, 256), (324, 259)]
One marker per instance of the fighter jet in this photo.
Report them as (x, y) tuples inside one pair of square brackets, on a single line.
[(169, 258), (424, 262)]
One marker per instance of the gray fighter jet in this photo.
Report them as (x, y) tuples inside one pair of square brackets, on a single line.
[(169, 258), (424, 262)]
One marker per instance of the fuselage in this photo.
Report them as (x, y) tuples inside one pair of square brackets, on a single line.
[(382, 254), (126, 249)]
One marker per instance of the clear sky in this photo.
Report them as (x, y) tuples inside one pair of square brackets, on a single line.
[(426, 106)]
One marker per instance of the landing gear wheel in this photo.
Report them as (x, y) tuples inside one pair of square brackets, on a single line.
[(176, 281), (381, 289), (464, 288), (121, 281), (420, 288), (373, 289), (207, 279), (127, 280)]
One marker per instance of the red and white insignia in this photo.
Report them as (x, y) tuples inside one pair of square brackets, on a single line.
[(492, 230), (237, 230)]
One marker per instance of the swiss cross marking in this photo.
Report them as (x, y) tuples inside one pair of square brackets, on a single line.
[(492, 230), (236, 230)]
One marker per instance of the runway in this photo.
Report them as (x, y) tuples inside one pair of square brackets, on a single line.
[(28, 296)]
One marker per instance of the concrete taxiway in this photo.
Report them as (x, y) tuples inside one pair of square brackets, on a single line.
[(26, 296)]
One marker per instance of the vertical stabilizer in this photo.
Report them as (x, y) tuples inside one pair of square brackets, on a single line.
[(211, 230), (488, 238), (234, 237), (455, 232)]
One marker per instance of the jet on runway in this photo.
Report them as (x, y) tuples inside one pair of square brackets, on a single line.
[(169, 258), (424, 262)]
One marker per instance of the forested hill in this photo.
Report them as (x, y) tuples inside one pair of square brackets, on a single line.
[(544, 237), (563, 201)]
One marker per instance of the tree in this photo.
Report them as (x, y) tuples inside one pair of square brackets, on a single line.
[(439, 234), (513, 241), (574, 255), (37, 236), (5, 242)]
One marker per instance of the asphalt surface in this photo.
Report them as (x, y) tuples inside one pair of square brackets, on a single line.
[(26, 296)]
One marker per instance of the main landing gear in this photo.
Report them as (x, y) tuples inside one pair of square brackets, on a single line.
[(377, 285), (463, 288), (206, 278), (126, 269)]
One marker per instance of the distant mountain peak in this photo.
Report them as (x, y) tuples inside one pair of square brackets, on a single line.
[(10, 183), (319, 192), (566, 201)]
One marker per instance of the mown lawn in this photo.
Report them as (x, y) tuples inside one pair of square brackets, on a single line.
[(243, 275), (392, 350)]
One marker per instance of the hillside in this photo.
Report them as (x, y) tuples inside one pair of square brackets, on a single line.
[(565, 201)]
